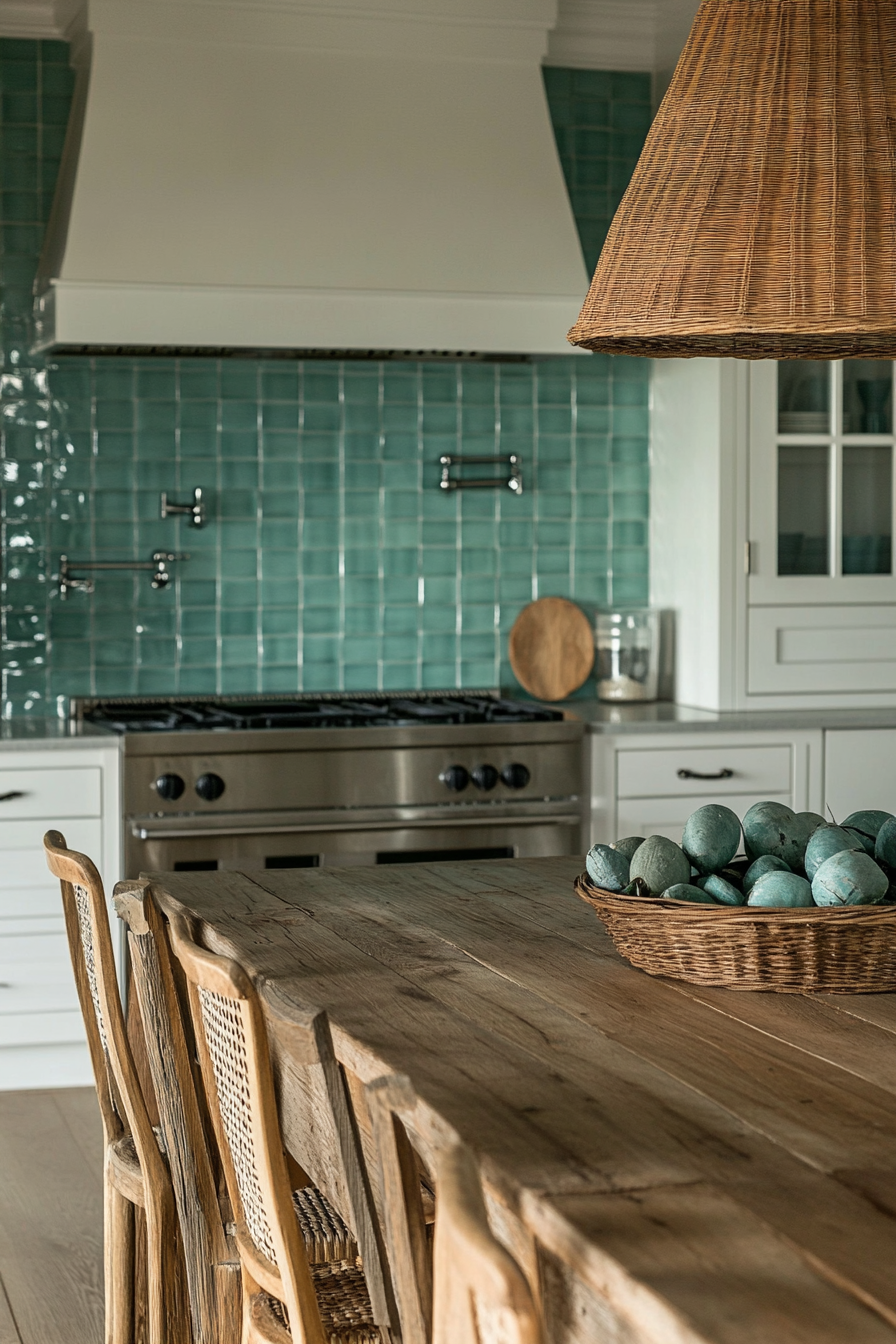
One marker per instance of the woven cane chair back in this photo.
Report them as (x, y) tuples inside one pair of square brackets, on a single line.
[(90, 943), (213, 1282), (236, 1066), (226, 1025), (464, 1287)]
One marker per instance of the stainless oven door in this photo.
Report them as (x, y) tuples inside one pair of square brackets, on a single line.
[(336, 837)]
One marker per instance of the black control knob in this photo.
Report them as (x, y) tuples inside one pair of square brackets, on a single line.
[(515, 775), (210, 787), (484, 777), (169, 787), (455, 778)]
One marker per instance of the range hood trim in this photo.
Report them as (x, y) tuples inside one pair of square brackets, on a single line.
[(80, 313)]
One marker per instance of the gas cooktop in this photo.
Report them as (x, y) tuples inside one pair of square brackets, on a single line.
[(224, 713)]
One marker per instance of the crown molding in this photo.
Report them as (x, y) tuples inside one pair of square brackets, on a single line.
[(59, 20), (28, 18), (605, 35)]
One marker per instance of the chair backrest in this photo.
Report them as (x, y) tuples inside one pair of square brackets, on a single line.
[(233, 1049), (121, 1100), (213, 1280), (469, 1289), (480, 1295)]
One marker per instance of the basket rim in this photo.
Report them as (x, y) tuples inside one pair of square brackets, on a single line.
[(594, 895)]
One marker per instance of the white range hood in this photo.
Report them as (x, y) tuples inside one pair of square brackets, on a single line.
[(278, 174)]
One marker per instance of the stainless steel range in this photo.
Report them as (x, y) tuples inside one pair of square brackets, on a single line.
[(249, 782)]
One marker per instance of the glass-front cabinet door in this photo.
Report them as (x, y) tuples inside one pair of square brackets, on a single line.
[(821, 482)]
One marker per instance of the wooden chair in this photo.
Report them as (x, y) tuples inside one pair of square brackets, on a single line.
[(288, 1296), (211, 1260), (135, 1173), (465, 1287)]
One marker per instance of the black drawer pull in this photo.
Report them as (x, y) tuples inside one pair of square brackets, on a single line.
[(695, 774), (8, 797)]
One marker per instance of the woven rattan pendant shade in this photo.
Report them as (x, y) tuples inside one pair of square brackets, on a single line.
[(761, 219)]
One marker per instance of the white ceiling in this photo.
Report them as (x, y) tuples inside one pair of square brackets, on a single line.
[(591, 34)]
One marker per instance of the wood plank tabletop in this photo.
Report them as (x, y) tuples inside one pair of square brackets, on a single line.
[(689, 1164)]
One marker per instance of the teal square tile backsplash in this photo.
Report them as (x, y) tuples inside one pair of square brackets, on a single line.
[(331, 559)]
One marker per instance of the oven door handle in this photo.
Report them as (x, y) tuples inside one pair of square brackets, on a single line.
[(373, 819)]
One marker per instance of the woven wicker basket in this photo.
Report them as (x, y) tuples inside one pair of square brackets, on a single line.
[(851, 950)]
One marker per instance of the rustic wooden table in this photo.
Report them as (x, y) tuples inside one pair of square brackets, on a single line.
[(669, 1163)]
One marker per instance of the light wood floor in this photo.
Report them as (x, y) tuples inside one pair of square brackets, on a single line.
[(51, 1218)]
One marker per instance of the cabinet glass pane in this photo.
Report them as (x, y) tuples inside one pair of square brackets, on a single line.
[(867, 508), (803, 508), (867, 396), (804, 396)]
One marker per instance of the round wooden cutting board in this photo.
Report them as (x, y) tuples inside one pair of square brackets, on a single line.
[(551, 648)]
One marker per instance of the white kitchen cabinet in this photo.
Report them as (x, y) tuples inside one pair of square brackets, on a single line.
[(772, 500), (73, 789), (859, 770), (650, 784)]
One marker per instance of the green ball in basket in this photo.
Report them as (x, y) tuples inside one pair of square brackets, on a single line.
[(807, 909), (774, 828), (711, 837)]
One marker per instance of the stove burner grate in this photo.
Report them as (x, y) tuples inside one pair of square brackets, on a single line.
[(172, 716)]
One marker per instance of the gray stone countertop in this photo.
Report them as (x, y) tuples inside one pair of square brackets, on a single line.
[(665, 717), (40, 734)]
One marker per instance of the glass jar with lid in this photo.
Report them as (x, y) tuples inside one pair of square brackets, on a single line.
[(627, 654)]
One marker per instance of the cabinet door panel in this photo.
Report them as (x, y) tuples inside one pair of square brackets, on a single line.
[(667, 816), (805, 649), (754, 770), (859, 770), (69, 791), (21, 848), (21, 902), (36, 974), (41, 1028)]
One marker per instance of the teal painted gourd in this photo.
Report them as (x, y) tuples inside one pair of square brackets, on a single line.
[(628, 845), (867, 823), (725, 893), (774, 828), (824, 842), (813, 820), (849, 878), (780, 889), (684, 891), (711, 837), (661, 864), (885, 844), (766, 863), (607, 868)]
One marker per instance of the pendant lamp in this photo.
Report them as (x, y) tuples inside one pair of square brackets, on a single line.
[(761, 218)]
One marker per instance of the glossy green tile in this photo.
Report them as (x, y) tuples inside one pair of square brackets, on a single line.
[(361, 590), (360, 677), (239, 380), (198, 382), (320, 649), (281, 649), (400, 588)]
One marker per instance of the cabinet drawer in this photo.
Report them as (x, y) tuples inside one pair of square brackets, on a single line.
[(667, 816), (812, 649), (69, 791), (36, 974), (22, 862), (39, 1028), (760, 771), (44, 902)]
